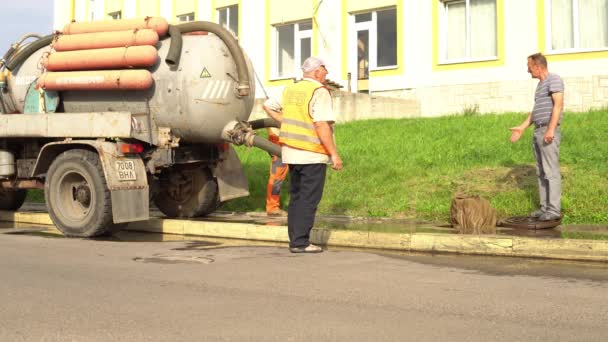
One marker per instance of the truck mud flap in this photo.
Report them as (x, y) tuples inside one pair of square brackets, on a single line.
[(231, 179), (128, 183)]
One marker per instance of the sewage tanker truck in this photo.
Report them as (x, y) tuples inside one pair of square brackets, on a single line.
[(108, 116)]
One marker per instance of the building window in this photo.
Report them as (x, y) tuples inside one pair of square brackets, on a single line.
[(294, 45), (115, 15), (468, 30), (183, 18), (376, 41), (577, 25), (229, 18)]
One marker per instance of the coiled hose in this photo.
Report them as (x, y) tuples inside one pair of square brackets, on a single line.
[(27, 51)]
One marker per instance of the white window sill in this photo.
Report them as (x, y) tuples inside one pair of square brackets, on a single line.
[(390, 67), (461, 61), (568, 51)]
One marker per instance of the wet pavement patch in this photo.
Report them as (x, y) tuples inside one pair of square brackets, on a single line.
[(509, 266), (175, 259), (35, 232), (195, 245)]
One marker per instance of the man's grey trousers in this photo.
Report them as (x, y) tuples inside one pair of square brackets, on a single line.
[(547, 170)]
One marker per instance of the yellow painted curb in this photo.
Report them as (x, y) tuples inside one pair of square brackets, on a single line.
[(570, 249), (25, 217), (493, 245), (561, 249)]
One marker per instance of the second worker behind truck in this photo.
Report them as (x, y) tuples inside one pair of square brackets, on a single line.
[(278, 169), (308, 145)]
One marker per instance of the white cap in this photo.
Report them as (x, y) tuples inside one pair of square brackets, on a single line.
[(312, 63)]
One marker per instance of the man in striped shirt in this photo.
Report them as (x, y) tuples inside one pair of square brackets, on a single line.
[(546, 117)]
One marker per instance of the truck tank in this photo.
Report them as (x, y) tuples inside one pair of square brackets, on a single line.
[(195, 98), (102, 149)]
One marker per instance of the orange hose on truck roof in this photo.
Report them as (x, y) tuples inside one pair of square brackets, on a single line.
[(96, 80), (99, 40), (158, 24), (112, 58)]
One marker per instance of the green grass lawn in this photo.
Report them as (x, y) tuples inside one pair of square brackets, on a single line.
[(412, 168)]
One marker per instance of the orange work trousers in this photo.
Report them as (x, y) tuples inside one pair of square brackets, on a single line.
[(278, 172)]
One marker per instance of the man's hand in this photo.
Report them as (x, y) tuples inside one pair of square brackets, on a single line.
[(516, 133), (273, 108), (549, 134), (336, 162), (273, 104)]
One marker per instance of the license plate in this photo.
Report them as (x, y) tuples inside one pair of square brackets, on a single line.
[(125, 170)]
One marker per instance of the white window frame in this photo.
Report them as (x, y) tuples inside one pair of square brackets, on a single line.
[(372, 28), (187, 16), (91, 10), (299, 35), (228, 9), (575, 31), (444, 35)]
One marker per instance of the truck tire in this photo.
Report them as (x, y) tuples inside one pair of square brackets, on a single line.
[(77, 197), (187, 192), (12, 199)]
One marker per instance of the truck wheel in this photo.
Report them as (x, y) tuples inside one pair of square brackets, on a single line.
[(76, 194), (187, 193), (12, 199)]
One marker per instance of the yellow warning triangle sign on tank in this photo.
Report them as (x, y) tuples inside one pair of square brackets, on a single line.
[(205, 73)]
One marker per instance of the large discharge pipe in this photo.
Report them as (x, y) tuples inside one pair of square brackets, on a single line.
[(232, 44)]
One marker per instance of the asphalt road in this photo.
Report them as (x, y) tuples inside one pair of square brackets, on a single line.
[(138, 288)]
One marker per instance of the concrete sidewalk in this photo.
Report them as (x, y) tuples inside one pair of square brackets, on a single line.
[(349, 232)]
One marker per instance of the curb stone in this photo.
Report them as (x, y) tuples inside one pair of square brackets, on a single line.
[(552, 248)]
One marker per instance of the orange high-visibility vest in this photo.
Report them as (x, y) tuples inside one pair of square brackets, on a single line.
[(297, 128)]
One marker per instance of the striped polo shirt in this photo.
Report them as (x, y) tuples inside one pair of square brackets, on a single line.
[(543, 102)]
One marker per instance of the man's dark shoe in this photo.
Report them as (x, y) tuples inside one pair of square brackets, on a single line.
[(549, 217), (308, 249), (537, 214)]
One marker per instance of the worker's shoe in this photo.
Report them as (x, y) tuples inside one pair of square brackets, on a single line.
[(308, 249), (277, 213), (549, 217), (537, 213)]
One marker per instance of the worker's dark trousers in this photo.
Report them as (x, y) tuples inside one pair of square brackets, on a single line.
[(305, 192)]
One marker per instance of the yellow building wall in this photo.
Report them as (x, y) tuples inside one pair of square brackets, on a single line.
[(184, 6), (147, 8), (363, 5), (113, 6), (281, 11), (224, 3)]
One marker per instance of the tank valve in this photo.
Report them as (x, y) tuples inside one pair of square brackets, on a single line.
[(241, 133), (238, 133)]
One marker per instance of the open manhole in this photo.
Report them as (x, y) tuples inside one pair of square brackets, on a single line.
[(527, 222)]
